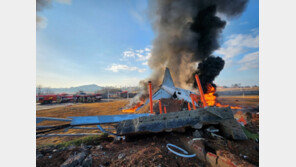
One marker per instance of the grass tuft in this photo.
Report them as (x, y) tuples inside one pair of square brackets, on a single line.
[(87, 140), (250, 135)]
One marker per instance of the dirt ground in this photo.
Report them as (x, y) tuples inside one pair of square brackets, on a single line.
[(142, 151), (147, 150)]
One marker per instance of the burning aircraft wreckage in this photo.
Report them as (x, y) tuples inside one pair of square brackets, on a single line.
[(195, 117), (187, 33)]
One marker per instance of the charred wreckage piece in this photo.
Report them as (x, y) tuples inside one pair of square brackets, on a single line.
[(195, 119), (131, 124)]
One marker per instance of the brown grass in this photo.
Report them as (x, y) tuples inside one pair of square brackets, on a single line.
[(87, 109), (237, 89), (243, 101)]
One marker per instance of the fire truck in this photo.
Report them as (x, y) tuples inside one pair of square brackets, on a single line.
[(47, 99), (79, 97)]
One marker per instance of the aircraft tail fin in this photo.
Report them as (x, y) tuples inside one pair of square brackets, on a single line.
[(167, 79)]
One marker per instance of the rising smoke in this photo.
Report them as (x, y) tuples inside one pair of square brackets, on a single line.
[(40, 5), (187, 32), (41, 21), (207, 71)]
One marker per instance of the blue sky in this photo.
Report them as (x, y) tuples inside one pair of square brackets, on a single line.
[(108, 43)]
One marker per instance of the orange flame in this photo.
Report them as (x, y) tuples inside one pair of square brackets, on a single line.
[(211, 98), (242, 120), (133, 109)]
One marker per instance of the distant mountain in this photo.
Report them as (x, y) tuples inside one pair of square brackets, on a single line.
[(85, 88)]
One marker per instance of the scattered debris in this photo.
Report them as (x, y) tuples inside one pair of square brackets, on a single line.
[(197, 134), (195, 146), (99, 147), (185, 155), (216, 136), (120, 156), (39, 155), (87, 162), (74, 160), (211, 129)]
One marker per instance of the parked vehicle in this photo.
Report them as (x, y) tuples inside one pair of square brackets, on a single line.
[(79, 97)]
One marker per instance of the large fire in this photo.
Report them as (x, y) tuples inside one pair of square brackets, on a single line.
[(211, 98), (134, 108)]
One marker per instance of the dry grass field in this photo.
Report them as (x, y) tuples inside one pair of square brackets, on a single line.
[(237, 89), (86, 109), (243, 101)]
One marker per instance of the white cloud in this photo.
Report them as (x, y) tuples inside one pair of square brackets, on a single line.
[(123, 67), (236, 45), (129, 53), (249, 61), (230, 52), (138, 55), (243, 40)]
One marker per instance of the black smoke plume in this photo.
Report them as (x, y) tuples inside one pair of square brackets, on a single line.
[(207, 71), (187, 32)]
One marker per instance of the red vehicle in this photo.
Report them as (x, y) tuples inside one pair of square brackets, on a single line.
[(64, 98), (47, 99), (58, 98)]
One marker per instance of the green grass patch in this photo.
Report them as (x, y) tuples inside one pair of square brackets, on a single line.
[(87, 140), (250, 135), (45, 146)]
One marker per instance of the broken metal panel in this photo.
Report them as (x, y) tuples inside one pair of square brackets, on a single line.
[(40, 119), (104, 131), (173, 120), (103, 119)]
